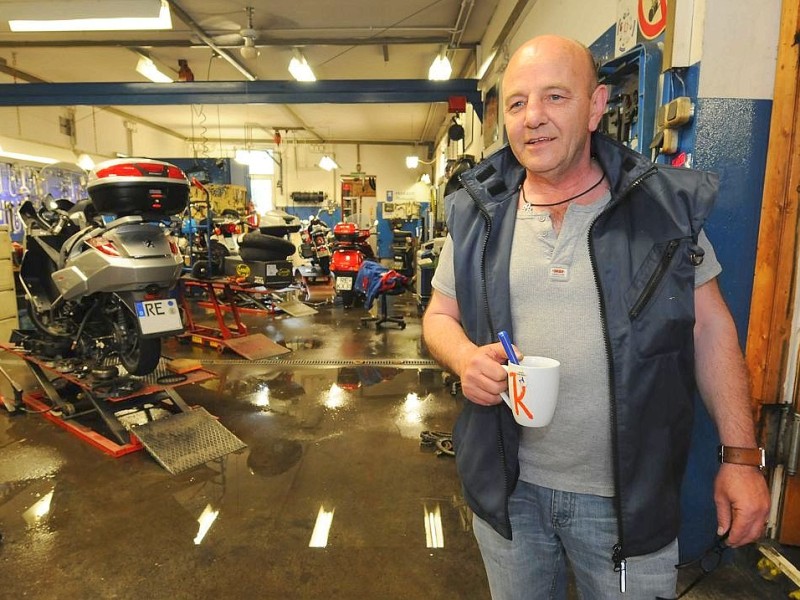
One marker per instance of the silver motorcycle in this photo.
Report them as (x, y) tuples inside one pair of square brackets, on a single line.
[(97, 275)]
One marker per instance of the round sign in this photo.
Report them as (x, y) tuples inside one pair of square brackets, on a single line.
[(652, 17), (243, 270)]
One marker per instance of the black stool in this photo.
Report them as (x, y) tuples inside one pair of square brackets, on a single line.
[(383, 315)]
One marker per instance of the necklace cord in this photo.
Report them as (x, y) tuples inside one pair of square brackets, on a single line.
[(528, 205)]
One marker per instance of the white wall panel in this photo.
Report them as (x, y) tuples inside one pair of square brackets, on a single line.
[(578, 19), (740, 41)]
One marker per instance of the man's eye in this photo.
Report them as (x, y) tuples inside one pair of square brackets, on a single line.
[(555, 97), (516, 105)]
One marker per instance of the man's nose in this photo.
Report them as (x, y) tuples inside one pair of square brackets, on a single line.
[(534, 113)]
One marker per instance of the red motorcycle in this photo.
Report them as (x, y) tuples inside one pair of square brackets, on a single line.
[(350, 249)]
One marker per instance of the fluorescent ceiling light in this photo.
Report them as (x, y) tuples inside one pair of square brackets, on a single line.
[(412, 162), (87, 15), (148, 68), (85, 162), (46, 160), (327, 163), (300, 69), (440, 68)]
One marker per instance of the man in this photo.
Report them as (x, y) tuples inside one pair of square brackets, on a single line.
[(589, 253)]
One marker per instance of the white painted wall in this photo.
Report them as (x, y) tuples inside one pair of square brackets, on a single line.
[(98, 133), (577, 19), (385, 162), (739, 48)]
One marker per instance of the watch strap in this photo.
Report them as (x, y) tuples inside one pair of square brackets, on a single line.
[(752, 457)]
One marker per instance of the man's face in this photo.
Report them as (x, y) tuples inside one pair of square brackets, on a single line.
[(549, 108)]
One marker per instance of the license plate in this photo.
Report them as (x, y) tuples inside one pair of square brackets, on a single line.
[(158, 316), (344, 284)]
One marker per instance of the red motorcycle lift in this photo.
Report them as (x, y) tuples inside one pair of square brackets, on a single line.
[(141, 413), (255, 346)]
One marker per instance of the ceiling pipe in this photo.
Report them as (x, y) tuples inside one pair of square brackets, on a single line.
[(263, 42), (206, 39)]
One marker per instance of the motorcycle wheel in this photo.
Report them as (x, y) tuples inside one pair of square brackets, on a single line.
[(200, 270), (347, 299), (138, 355), (218, 254)]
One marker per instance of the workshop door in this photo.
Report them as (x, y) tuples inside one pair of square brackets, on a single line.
[(773, 340)]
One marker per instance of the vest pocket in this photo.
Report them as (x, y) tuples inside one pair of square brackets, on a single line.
[(660, 300)]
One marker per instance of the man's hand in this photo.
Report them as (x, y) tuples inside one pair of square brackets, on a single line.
[(478, 367), (742, 499), (482, 376)]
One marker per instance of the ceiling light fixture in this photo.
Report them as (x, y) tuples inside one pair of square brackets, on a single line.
[(249, 50), (327, 163), (85, 162), (440, 67), (300, 69), (87, 15), (148, 68), (413, 161)]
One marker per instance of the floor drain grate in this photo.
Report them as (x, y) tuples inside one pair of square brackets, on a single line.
[(400, 363)]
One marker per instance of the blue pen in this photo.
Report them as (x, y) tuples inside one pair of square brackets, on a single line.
[(506, 341)]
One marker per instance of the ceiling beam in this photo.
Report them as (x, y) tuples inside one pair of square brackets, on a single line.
[(350, 91)]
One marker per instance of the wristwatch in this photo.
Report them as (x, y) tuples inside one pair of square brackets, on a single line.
[(751, 457)]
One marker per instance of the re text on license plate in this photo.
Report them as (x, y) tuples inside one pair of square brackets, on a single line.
[(344, 284), (158, 316)]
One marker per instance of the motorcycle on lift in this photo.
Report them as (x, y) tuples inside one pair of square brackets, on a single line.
[(315, 277), (97, 274), (350, 249)]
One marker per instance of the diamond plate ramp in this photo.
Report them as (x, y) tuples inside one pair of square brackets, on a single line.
[(188, 439), (255, 346)]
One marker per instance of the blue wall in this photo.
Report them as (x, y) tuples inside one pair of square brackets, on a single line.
[(728, 136)]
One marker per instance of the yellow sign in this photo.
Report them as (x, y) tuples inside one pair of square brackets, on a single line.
[(243, 270)]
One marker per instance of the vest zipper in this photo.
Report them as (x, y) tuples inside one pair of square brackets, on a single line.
[(655, 279), (618, 556)]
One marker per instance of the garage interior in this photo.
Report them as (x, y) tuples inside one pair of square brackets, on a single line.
[(294, 437)]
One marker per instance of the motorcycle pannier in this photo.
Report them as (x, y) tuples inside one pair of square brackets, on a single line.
[(138, 186)]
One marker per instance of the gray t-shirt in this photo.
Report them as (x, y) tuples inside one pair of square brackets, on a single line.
[(556, 313)]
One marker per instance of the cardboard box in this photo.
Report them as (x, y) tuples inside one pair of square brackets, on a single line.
[(272, 273)]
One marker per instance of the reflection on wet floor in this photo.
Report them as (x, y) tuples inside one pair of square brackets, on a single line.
[(332, 488), (333, 497)]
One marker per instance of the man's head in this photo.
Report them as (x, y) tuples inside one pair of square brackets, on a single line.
[(552, 103)]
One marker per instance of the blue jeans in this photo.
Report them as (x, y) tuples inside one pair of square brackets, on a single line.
[(550, 527)]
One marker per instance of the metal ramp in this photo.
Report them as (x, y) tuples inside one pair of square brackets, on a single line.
[(185, 440)]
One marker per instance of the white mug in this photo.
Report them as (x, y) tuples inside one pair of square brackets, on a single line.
[(533, 389)]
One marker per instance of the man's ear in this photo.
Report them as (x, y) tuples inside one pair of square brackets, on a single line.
[(597, 106)]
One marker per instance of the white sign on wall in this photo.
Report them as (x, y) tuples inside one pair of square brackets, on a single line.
[(627, 27)]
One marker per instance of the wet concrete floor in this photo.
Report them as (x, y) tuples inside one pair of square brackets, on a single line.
[(333, 497)]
